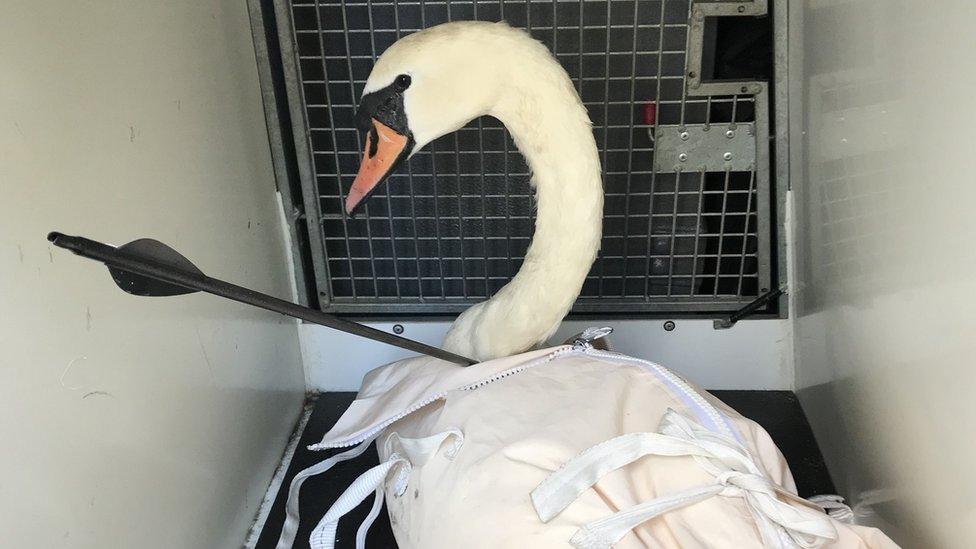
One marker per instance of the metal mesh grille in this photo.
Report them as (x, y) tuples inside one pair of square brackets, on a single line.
[(455, 226)]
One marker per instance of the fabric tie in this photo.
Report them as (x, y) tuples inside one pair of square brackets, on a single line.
[(402, 451), (780, 524), (290, 529), (370, 482)]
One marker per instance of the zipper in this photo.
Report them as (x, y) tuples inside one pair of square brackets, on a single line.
[(379, 427), (584, 343), (581, 345), (717, 418)]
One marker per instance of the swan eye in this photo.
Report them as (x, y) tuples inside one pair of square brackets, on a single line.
[(402, 82)]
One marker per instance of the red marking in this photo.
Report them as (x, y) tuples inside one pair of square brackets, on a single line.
[(649, 111)]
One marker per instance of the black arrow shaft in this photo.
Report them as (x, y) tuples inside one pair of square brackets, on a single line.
[(115, 258)]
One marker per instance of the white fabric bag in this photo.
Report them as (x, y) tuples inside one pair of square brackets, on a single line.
[(566, 447)]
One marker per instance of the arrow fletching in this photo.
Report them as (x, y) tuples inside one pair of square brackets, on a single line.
[(157, 252)]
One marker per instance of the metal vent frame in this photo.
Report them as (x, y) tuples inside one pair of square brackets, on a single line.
[(303, 207)]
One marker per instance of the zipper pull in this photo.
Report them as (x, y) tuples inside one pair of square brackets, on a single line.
[(585, 340)]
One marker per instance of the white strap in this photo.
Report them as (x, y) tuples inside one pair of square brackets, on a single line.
[(402, 451), (835, 507), (370, 482), (608, 531), (564, 486), (736, 475), (290, 528), (370, 518), (419, 450)]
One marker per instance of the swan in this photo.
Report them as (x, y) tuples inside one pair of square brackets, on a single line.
[(435, 81)]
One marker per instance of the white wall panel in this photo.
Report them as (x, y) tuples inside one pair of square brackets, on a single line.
[(883, 143), (136, 422), (754, 354)]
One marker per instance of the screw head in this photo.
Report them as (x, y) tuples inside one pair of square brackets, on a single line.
[(741, 9), (730, 133), (683, 136), (669, 326), (682, 157), (398, 329), (727, 156)]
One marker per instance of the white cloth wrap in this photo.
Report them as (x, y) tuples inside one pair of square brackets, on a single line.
[(736, 475)]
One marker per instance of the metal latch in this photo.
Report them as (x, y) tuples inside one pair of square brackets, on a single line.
[(752, 307), (585, 340)]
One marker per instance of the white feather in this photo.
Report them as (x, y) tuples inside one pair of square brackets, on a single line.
[(464, 70)]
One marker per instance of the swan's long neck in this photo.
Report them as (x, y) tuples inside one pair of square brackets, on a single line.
[(551, 128)]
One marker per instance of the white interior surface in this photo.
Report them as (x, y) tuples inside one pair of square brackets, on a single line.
[(883, 141), (126, 421), (754, 354), (158, 422)]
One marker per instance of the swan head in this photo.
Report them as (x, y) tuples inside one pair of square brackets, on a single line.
[(427, 85)]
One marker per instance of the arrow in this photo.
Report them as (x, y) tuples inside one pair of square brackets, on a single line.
[(147, 267)]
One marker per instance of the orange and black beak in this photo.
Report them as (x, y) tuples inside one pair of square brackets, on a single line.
[(388, 140), (385, 149)]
